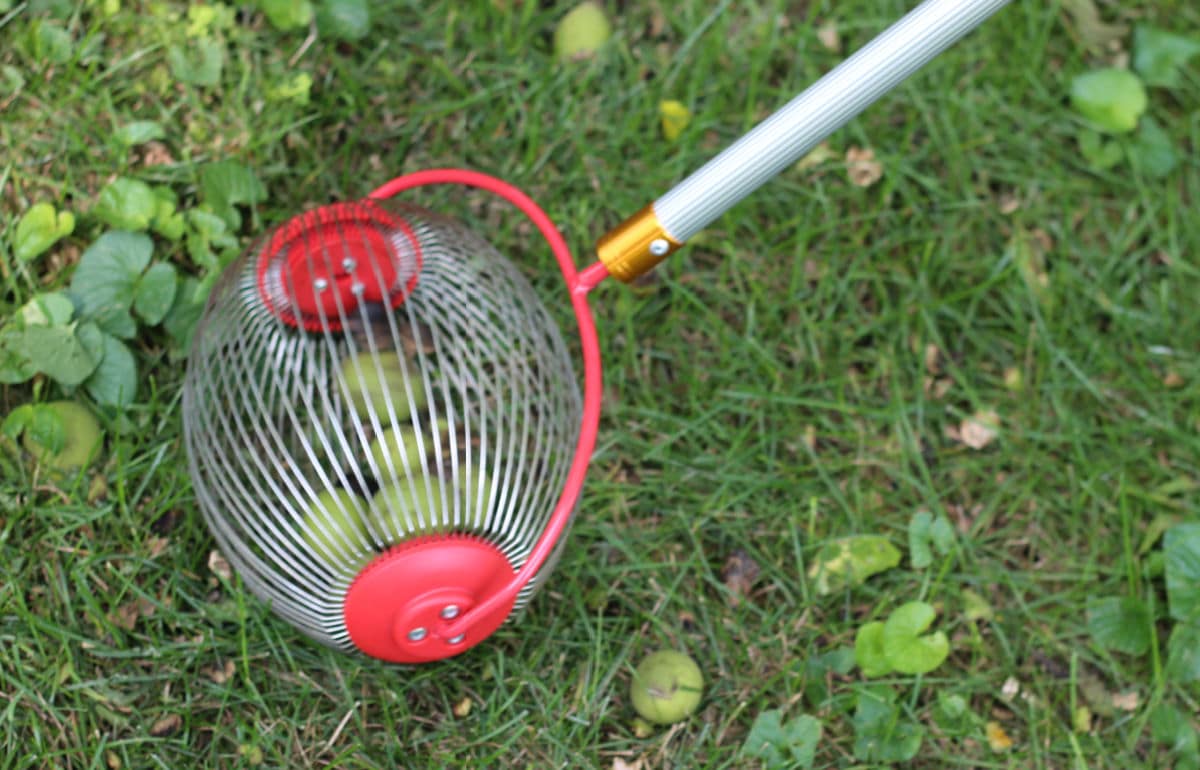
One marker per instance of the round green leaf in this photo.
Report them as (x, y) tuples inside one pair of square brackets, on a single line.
[(139, 132), (1158, 55), (106, 279), (155, 293), (57, 352), (1120, 623), (868, 650), (287, 14), (126, 204), (1113, 99), (114, 383), (345, 19), (905, 648), (1152, 151), (49, 309), (39, 228)]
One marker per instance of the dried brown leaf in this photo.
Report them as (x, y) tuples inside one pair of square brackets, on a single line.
[(168, 725), (1009, 203), (222, 674), (219, 566), (126, 616), (462, 708), (862, 167), (739, 574), (1127, 701), (933, 359), (156, 154), (112, 760), (979, 430), (1172, 379), (156, 545), (997, 739), (827, 33), (822, 153), (1095, 33)]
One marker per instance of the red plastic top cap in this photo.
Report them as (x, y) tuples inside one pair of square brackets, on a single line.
[(318, 266), (401, 606)]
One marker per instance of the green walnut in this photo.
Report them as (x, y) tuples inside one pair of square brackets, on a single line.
[(373, 380), (81, 438), (666, 688)]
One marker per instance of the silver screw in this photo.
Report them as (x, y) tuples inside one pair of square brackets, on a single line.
[(348, 264), (416, 635), (357, 287), (659, 247), (456, 639), (450, 611), (320, 284)]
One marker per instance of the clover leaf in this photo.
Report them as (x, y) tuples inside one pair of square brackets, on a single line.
[(287, 14), (344, 19), (906, 649), (198, 63), (227, 183), (924, 530), (1151, 149), (868, 650), (1120, 623), (1158, 55), (880, 734), (782, 744), (1181, 546)]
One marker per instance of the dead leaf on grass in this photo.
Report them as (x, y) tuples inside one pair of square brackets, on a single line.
[(156, 545), (818, 155), (156, 154), (738, 574), (126, 616), (222, 674), (168, 725), (219, 566), (862, 167), (462, 708), (937, 387), (1172, 379), (827, 33), (997, 739), (979, 430), (621, 764), (1127, 701), (933, 359), (1095, 33)]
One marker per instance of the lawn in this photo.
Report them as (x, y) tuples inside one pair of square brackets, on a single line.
[(961, 326)]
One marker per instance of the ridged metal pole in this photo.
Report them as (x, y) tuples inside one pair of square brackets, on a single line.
[(797, 127)]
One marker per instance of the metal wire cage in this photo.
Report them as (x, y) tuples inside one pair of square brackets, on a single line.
[(370, 375)]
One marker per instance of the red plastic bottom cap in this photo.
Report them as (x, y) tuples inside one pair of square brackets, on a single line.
[(402, 604)]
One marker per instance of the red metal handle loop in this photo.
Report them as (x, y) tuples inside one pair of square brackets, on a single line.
[(579, 284)]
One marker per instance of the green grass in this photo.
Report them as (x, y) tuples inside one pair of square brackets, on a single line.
[(766, 390)]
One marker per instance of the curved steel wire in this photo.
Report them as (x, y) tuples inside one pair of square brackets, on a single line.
[(303, 481)]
